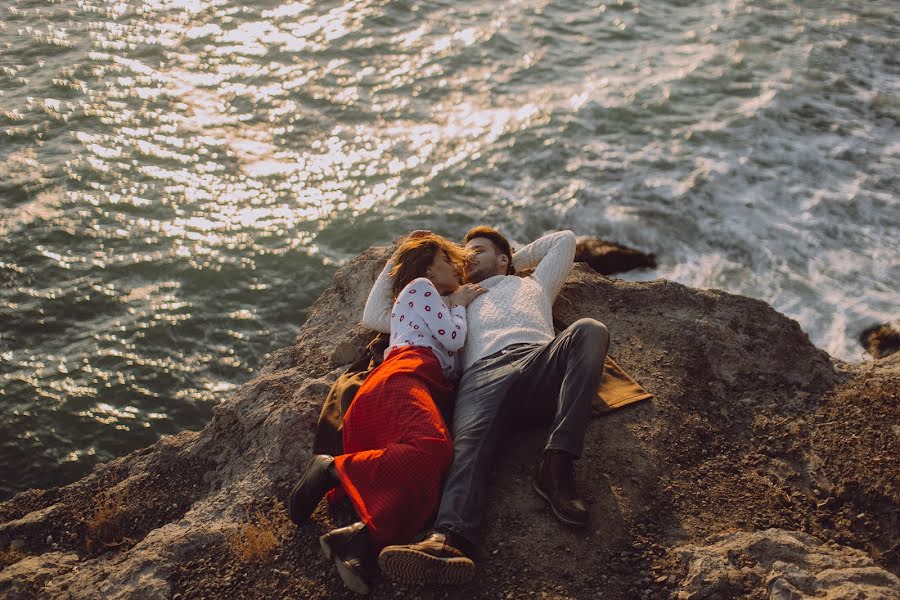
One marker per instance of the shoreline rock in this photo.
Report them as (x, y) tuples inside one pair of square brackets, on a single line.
[(608, 258), (751, 428), (880, 340)]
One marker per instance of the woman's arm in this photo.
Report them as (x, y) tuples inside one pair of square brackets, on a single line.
[(379, 304), (446, 325), (377, 314)]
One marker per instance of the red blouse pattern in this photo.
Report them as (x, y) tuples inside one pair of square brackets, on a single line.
[(421, 318)]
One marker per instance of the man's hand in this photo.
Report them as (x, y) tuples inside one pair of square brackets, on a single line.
[(464, 295)]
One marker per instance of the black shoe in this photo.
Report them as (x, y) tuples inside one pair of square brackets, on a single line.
[(433, 560), (349, 547), (317, 480), (555, 483)]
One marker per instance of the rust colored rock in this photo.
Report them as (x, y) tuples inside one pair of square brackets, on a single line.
[(880, 340), (608, 257)]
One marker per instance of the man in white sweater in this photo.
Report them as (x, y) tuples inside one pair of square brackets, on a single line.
[(516, 374)]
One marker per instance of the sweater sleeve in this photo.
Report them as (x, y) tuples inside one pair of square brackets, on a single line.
[(447, 326), (377, 314), (551, 256)]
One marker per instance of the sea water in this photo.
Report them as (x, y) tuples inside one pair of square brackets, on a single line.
[(180, 179)]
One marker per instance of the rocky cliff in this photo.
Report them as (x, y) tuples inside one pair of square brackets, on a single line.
[(762, 468)]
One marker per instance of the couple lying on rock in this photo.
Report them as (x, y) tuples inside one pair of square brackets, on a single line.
[(494, 335)]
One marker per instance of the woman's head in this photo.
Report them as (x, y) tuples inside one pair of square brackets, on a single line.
[(431, 256)]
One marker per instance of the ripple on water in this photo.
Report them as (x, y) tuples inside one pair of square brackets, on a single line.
[(179, 180)]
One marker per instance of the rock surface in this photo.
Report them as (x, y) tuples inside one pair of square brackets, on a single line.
[(786, 564), (608, 258), (751, 428), (881, 340)]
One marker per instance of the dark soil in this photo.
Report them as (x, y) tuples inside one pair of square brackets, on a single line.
[(757, 469)]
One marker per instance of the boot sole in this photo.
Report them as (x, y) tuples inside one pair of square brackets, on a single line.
[(326, 547), (350, 576), (556, 513), (406, 565)]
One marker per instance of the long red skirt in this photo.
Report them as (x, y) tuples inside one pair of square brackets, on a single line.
[(397, 447)]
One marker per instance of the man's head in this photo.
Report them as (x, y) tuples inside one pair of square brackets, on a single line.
[(489, 254)]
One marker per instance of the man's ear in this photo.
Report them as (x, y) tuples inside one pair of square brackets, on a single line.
[(504, 262)]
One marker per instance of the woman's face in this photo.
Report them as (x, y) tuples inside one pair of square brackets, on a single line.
[(443, 274)]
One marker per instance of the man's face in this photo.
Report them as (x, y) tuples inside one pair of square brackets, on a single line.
[(484, 260)]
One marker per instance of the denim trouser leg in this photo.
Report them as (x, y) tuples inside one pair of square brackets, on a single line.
[(526, 385), (558, 383), (477, 428)]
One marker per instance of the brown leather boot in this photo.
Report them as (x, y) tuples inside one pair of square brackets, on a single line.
[(318, 479), (350, 548), (555, 483), (436, 559)]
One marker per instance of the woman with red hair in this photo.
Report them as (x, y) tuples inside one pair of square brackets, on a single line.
[(397, 447)]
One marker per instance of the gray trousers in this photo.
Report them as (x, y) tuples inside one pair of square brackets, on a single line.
[(523, 385)]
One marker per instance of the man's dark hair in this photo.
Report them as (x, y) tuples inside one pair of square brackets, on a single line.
[(497, 239)]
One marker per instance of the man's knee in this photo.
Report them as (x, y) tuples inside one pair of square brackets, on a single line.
[(591, 333)]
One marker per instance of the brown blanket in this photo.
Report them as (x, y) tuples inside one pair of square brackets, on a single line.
[(617, 389)]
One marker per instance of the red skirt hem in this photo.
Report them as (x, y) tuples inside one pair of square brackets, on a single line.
[(397, 448)]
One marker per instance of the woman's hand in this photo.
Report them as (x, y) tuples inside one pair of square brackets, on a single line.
[(464, 294)]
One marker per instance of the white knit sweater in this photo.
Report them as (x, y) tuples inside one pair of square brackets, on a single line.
[(515, 309)]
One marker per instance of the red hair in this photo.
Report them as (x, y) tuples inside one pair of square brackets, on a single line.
[(415, 255)]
